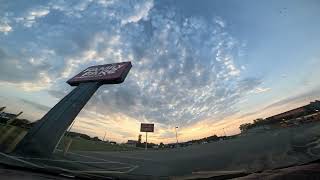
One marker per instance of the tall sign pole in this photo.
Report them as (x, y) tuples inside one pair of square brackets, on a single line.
[(44, 136), (145, 127), (146, 140)]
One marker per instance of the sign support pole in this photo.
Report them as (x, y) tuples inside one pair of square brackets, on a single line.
[(44, 136), (146, 140), (146, 128), (177, 135)]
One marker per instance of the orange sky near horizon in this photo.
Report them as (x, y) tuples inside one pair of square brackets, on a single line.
[(198, 130)]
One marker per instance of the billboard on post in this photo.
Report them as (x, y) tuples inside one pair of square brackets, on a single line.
[(105, 74), (146, 127)]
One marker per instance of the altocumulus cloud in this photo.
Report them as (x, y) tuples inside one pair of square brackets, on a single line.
[(184, 68)]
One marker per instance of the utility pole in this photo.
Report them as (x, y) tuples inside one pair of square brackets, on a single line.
[(104, 137), (224, 132)]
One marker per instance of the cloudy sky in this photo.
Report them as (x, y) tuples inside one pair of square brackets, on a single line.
[(203, 66)]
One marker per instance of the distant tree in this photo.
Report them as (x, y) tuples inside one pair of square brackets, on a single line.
[(84, 136), (213, 138), (161, 145), (23, 123), (139, 144), (245, 127), (258, 121), (96, 139), (139, 139)]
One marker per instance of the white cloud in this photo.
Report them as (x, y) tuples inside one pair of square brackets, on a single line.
[(44, 82), (259, 90), (219, 21), (185, 69), (32, 15), (175, 79), (140, 12), (38, 13), (5, 27)]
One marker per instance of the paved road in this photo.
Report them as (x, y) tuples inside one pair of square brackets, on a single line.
[(251, 152)]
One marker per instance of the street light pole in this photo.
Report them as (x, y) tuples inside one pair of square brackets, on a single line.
[(176, 134)]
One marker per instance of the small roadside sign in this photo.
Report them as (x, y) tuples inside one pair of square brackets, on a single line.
[(145, 127)]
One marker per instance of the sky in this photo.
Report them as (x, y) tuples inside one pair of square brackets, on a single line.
[(205, 66)]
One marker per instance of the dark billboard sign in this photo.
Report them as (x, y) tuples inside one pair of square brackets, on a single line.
[(147, 127), (106, 74)]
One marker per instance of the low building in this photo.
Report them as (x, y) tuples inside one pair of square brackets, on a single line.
[(306, 110), (8, 117), (294, 117), (132, 143)]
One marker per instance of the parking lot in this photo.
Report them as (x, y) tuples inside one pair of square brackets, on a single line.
[(249, 152)]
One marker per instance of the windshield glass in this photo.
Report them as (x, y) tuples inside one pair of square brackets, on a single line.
[(160, 89)]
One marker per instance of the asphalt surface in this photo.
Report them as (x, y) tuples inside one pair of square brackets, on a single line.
[(250, 152)]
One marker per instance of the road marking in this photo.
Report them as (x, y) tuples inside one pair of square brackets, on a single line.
[(110, 171), (116, 162), (129, 157), (93, 171), (133, 166), (70, 171), (70, 161)]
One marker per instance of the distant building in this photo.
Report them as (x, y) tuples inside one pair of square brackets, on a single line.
[(8, 117), (306, 110), (172, 145), (132, 143), (300, 115)]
